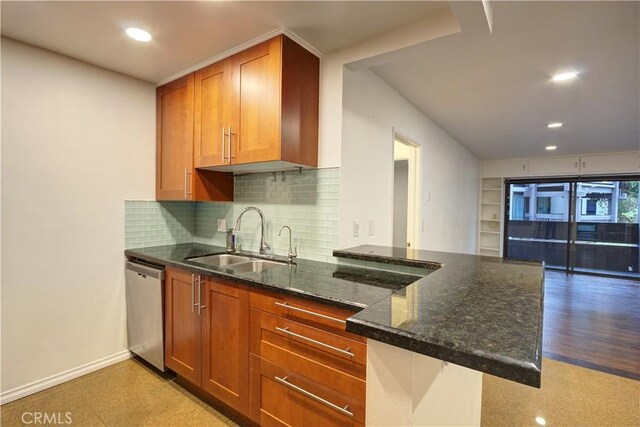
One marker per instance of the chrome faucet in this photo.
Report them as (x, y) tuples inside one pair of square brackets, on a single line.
[(292, 253), (264, 246)]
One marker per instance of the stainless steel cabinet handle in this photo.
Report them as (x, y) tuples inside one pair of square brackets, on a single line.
[(200, 306), (230, 156), (223, 135), (342, 410), (186, 183), (193, 298), (286, 305), (302, 337)]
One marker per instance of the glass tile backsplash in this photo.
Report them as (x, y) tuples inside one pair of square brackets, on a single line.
[(307, 202), (151, 223)]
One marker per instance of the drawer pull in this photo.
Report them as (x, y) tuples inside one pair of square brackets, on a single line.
[(302, 337), (344, 411), (286, 305)]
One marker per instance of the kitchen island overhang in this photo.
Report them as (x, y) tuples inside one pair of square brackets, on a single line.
[(482, 313)]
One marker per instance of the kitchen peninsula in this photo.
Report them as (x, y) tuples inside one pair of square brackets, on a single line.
[(429, 336)]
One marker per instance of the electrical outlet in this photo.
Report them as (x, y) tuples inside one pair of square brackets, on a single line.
[(356, 228), (372, 229), (222, 224)]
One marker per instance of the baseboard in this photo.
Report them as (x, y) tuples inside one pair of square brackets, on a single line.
[(45, 383)]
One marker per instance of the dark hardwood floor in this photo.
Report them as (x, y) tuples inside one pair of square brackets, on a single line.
[(593, 322)]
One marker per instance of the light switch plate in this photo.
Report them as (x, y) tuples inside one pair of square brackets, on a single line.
[(222, 224), (356, 228), (372, 229)]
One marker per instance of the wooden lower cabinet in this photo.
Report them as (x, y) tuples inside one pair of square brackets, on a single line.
[(281, 397), (305, 369), (209, 345), (183, 326), (225, 343), (328, 359), (270, 362)]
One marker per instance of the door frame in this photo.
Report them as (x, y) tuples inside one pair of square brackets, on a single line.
[(414, 187)]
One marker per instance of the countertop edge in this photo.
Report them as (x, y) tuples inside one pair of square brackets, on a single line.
[(430, 265), (510, 369)]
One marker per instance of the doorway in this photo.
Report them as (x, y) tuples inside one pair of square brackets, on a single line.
[(587, 225), (405, 192)]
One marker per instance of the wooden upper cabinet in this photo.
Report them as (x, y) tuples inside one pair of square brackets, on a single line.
[(176, 176), (174, 139), (256, 90), (270, 113), (256, 110), (212, 114)]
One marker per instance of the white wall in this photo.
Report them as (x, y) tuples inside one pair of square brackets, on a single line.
[(379, 49), (449, 172), (77, 141)]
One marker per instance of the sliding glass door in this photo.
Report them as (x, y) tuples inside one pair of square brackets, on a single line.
[(575, 225)]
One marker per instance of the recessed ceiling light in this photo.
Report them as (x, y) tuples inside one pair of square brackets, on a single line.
[(139, 34), (554, 125), (561, 77), (541, 421), (550, 147)]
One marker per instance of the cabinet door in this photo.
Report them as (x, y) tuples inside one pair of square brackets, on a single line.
[(225, 341), (281, 397), (554, 166), (212, 105), (174, 139), (182, 326), (610, 163), (256, 88), (505, 168)]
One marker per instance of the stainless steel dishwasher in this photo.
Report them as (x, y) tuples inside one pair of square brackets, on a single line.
[(145, 295)]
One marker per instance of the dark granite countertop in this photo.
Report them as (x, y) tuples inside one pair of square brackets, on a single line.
[(483, 313), (338, 285)]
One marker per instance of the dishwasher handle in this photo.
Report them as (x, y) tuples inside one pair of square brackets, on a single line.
[(144, 270)]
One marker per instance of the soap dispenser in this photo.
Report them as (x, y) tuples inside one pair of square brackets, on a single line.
[(231, 240)]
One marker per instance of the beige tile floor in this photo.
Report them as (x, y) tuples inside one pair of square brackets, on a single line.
[(125, 394), (129, 394), (570, 396)]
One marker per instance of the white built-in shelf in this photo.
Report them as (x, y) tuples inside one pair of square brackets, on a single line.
[(489, 227)]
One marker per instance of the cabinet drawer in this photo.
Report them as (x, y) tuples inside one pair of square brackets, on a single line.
[(319, 355), (319, 316), (281, 397)]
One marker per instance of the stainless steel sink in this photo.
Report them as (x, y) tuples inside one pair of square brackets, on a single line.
[(255, 266), (237, 262), (220, 260)]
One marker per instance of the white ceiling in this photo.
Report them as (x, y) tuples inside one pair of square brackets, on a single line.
[(187, 33), (493, 92)]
